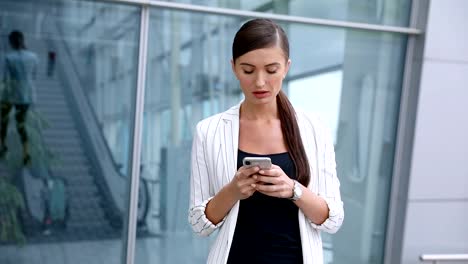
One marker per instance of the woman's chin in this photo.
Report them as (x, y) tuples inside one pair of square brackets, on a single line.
[(261, 101)]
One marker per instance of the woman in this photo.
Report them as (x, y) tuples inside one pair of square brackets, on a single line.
[(20, 70), (263, 216)]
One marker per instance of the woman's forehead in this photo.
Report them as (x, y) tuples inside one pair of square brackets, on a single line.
[(263, 57)]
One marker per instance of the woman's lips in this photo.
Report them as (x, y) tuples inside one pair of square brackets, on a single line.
[(261, 94)]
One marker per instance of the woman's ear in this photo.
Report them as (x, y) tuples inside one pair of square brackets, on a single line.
[(288, 64), (233, 67)]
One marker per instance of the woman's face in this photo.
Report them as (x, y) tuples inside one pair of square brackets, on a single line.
[(260, 73)]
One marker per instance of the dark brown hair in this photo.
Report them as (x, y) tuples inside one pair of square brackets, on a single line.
[(264, 33), (16, 39)]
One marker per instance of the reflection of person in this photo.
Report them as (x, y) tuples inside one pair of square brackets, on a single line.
[(50, 63), (20, 70), (264, 216)]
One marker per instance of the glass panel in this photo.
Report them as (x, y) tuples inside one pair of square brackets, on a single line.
[(352, 78), (189, 78), (383, 12), (326, 102), (80, 71)]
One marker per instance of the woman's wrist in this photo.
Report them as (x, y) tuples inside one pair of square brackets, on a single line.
[(231, 192), (218, 207), (291, 188)]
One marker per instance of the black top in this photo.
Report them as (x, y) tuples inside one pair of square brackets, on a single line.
[(267, 228)]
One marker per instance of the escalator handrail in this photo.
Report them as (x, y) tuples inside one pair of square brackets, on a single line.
[(92, 112)]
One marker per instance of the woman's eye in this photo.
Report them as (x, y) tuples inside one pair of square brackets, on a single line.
[(248, 72), (271, 72)]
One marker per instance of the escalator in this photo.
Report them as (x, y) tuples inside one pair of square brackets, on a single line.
[(96, 186), (95, 190)]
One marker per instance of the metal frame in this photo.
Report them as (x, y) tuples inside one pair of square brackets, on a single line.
[(331, 68), (277, 17), (131, 217), (405, 136), (436, 258)]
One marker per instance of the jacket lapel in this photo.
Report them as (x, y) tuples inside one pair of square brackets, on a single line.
[(230, 141)]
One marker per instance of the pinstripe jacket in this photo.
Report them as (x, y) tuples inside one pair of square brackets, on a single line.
[(213, 164)]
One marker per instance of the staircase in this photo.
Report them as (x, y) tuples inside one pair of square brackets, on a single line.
[(87, 218), (90, 214)]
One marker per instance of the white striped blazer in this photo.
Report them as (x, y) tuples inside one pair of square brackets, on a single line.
[(213, 164)]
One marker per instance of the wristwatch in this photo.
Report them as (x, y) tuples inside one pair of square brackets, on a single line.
[(297, 191)]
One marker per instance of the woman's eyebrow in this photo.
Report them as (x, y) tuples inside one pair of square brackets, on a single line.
[(268, 65), (273, 64), (247, 64)]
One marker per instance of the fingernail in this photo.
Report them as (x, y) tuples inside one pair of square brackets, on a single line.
[(261, 172), (253, 185)]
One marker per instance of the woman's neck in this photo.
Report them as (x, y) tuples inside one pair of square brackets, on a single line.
[(259, 112)]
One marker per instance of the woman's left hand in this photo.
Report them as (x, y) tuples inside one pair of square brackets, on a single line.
[(274, 182)]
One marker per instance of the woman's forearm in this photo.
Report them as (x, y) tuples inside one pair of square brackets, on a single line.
[(218, 207), (313, 206)]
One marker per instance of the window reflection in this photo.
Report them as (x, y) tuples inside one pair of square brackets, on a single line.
[(385, 12), (356, 75), (69, 200), (320, 94)]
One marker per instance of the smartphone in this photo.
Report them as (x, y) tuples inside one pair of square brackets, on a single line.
[(263, 163)]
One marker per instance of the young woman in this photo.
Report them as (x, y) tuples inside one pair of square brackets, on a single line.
[(264, 216)]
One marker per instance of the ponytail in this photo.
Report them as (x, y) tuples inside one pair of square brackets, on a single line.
[(292, 135)]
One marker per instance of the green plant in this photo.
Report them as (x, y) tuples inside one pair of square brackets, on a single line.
[(11, 198), (35, 125), (42, 156), (11, 202)]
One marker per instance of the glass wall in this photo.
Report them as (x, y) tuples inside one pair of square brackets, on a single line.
[(351, 77), (383, 12), (64, 182), (66, 204)]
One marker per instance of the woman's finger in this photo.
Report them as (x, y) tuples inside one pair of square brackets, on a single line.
[(267, 188), (248, 181), (273, 172), (245, 172), (266, 179)]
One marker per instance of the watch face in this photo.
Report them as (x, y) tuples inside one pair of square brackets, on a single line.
[(297, 191)]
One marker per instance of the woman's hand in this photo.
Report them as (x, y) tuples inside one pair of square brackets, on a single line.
[(242, 185), (274, 182)]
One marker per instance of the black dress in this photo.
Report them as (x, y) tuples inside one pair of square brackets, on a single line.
[(267, 228)]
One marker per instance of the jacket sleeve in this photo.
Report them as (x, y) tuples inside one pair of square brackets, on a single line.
[(201, 190), (329, 185)]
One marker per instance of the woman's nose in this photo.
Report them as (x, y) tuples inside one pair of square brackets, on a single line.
[(260, 80)]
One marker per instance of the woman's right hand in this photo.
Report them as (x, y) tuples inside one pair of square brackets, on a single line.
[(242, 182)]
